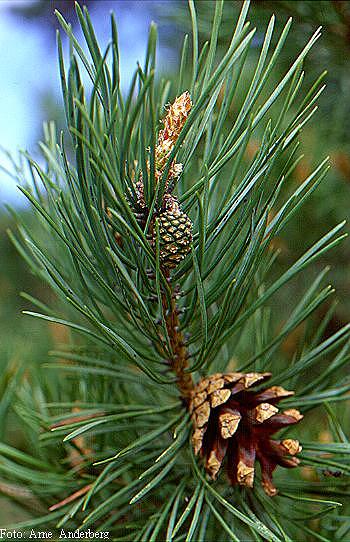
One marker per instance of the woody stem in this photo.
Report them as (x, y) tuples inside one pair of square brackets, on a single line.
[(179, 358)]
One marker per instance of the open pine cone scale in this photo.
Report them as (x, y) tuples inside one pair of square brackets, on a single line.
[(230, 419)]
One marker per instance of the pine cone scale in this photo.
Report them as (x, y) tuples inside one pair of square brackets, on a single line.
[(202, 414), (264, 411), (245, 474), (292, 446), (273, 394), (219, 397), (278, 421), (216, 457), (229, 421)]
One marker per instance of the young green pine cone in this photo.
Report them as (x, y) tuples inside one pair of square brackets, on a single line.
[(175, 233), (232, 420)]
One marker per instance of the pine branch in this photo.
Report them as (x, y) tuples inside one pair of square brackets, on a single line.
[(155, 232)]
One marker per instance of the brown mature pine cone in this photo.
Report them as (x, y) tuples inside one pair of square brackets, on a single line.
[(232, 420)]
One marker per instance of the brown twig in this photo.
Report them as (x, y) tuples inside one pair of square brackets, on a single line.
[(25, 497), (179, 359), (71, 498), (75, 419)]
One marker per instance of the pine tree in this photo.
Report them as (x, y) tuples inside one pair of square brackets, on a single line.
[(157, 240)]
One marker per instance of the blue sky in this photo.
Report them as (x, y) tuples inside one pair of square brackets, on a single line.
[(28, 69)]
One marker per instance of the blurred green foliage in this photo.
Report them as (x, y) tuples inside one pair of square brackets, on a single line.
[(24, 343)]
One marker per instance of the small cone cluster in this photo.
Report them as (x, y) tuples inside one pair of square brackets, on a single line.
[(175, 227), (232, 420)]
